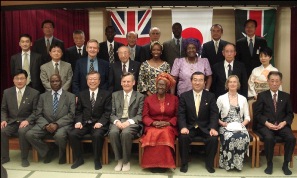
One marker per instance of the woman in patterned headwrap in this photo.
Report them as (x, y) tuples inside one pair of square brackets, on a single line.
[(160, 126)]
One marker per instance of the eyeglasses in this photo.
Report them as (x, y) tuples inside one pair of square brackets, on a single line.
[(155, 33), (19, 78)]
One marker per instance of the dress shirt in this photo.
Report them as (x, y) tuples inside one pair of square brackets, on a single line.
[(214, 42), (127, 65), (54, 64), (23, 57), (95, 64), (131, 121), (59, 93), (81, 51), (272, 93), (195, 93), (108, 45), (95, 93), (50, 40), (22, 90), (248, 40), (227, 68)]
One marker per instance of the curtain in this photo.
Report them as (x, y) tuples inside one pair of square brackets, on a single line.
[(293, 83), (14, 23)]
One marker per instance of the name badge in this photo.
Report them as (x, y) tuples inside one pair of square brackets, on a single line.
[(196, 126), (258, 51)]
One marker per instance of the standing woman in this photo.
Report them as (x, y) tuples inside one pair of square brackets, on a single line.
[(234, 136), (150, 69), (159, 117)]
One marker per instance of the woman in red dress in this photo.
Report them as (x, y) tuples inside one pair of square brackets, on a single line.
[(160, 126)]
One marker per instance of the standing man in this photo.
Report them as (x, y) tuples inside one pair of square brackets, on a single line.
[(135, 50), (198, 116), (222, 70), (155, 34), (29, 61), (92, 117), (121, 67), (125, 120), (274, 117), (42, 45), (77, 51), (55, 113), (88, 64), (18, 109), (173, 49), (109, 48), (248, 48)]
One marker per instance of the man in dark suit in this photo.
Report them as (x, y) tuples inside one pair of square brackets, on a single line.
[(135, 50), (92, 117), (29, 61), (173, 49), (222, 70), (198, 116), (18, 109), (248, 48), (105, 53), (212, 50), (42, 45), (77, 51), (87, 64), (155, 34), (54, 116), (124, 65), (273, 117), (125, 120)]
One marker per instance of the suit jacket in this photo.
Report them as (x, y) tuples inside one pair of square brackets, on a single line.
[(65, 111), (115, 75), (35, 63), (138, 51), (65, 71), (209, 52), (171, 52), (146, 53), (103, 51), (40, 47), (219, 78), (71, 55), (264, 109), (81, 70), (208, 112), (243, 53), (27, 110), (102, 108)]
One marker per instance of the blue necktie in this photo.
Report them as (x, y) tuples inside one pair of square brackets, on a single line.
[(55, 103)]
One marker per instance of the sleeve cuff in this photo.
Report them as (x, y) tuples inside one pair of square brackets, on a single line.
[(114, 122), (131, 121)]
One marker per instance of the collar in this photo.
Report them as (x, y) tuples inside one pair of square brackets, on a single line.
[(89, 59), (28, 52), (134, 47), (227, 63), (127, 63), (253, 38), (59, 92), (54, 63), (22, 89), (50, 39), (214, 41), (129, 94), (95, 91), (82, 47), (272, 93), (199, 93), (108, 43)]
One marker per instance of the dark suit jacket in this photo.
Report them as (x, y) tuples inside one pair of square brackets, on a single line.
[(27, 110), (209, 52), (171, 51), (65, 111), (264, 109), (219, 78), (102, 108), (79, 82), (71, 55), (138, 52), (145, 53), (103, 51), (208, 112), (243, 53), (35, 63), (40, 47), (115, 75)]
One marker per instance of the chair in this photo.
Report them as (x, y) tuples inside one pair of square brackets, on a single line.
[(14, 143)]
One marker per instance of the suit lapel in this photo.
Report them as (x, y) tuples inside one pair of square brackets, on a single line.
[(192, 102), (32, 61), (23, 102), (19, 62), (120, 99), (202, 103), (279, 101), (131, 66), (174, 46), (98, 99), (133, 98), (61, 102)]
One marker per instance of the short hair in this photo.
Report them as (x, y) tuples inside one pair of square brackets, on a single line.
[(228, 79), (250, 20), (131, 32), (177, 23), (193, 41), (93, 41), (25, 35), (216, 25), (78, 32), (232, 44), (123, 47), (111, 27), (155, 28), (266, 51), (59, 76), (56, 45), (275, 73), (154, 43), (128, 74), (93, 72), (48, 21), (21, 71), (198, 73)]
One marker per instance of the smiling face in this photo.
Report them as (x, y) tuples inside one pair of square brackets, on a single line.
[(20, 81), (198, 83), (274, 82), (56, 54), (232, 84), (161, 87), (265, 59), (93, 81), (124, 54), (25, 43), (156, 50), (110, 33), (191, 50), (250, 29), (79, 39), (92, 49), (127, 83)]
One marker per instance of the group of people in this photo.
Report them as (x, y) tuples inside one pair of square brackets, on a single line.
[(156, 92)]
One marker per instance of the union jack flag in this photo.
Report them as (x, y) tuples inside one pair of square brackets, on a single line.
[(136, 20)]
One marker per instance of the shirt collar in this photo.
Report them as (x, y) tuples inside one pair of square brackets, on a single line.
[(54, 63), (82, 47), (95, 91), (50, 39), (59, 92), (248, 38), (22, 89), (214, 41), (108, 43), (272, 93), (195, 93), (226, 63), (28, 52), (129, 94)]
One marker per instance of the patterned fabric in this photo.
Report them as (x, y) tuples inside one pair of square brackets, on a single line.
[(19, 98), (111, 54), (148, 74), (233, 144), (91, 65), (55, 103), (56, 68), (93, 100)]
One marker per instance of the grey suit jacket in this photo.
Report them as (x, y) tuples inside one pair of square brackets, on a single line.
[(134, 110), (171, 52), (65, 71), (64, 114), (27, 110)]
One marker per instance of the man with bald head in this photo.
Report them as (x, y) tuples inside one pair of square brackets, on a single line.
[(155, 34)]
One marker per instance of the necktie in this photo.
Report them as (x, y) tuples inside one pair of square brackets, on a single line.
[(124, 68), (47, 45), (229, 70), (91, 65), (93, 100), (79, 52), (197, 103), (125, 110), (55, 103), (216, 46), (132, 55), (178, 46), (274, 101), (251, 47), (26, 67), (111, 54), (56, 68), (19, 98)]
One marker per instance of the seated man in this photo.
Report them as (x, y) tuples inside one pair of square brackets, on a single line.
[(18, 109), (274, 117), (92, 117), (125, 118), (198, 116), (54, 116)]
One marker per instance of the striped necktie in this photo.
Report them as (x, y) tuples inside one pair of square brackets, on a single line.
[(55, 103)]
